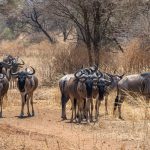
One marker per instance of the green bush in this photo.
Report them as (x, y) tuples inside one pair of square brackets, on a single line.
[(7, 34)]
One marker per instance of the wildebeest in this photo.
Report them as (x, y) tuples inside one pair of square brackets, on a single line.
[(138, 83), (64, 93), (8, 58), (16, 64), (4, 66), (113, 86), (27, 84), (99, 90), (4, 85), (63, 82), (84, 90)]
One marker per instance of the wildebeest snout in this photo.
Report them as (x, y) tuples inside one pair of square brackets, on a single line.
[(89, 87)]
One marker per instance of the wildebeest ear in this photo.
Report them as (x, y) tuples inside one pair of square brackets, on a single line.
[(121, 76), (115, 71), (82, 67), (29, 77)]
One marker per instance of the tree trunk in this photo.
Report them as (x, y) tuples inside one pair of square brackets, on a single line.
[(96, 40), (45, 32), (89, 54), (65, 35), (96, 54)]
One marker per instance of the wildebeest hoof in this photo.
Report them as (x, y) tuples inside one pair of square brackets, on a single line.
[(91, 120), (64, 118), (88, 121), (0, 115), (71, 120), (121, 118), (21, 115), (29, 115), (33, 114)]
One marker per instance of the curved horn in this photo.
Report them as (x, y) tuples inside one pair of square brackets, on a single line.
[(6, 64), (115, 71), (13, 73), (78, 77), (32, 72), (2, 76), (21, 63), (99, 74), (96, 67), (121, 76), (87, 70)]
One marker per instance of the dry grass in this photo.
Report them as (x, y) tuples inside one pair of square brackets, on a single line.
[(45, 130)]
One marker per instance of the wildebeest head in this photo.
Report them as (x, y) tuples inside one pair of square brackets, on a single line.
[(115, 79), (16, 65), (102, 85), (22, 76), (8, 58), (4, 65), (88, 80), (90, 70)]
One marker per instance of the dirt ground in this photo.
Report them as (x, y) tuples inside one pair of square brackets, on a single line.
[(46, 131)]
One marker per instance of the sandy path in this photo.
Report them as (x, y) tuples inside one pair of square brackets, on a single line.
[(47, 131)]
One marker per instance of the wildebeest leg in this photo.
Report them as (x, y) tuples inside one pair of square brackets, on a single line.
[(97, 105), (91, 114), (31, 101), (1, 103), (80, 110), (64, 100), (147, 106), (106, 104), (75, 108), (115, 105), (72, 104), (13, 84), (87, 108), (27, 97), (22, 105), (119, 106)]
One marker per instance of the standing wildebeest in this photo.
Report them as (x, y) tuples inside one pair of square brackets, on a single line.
[(138, 83), (113, 86), (27, 83), (15, 66), (100, 89), (4, 66), (8, 58), (64, 93), (4, 85)]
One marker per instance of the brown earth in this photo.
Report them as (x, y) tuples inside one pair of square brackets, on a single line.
[(47, 131)]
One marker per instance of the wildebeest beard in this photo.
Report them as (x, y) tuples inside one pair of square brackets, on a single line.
[(21, 85), (1, 68), (101, 89), (89, 87)]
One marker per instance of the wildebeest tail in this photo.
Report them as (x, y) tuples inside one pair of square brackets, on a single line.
[(117, 97), (25, 97), (75, 103)]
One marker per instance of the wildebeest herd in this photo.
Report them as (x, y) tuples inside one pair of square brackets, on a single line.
[(81, 88), (90, 83), (27, 82)]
